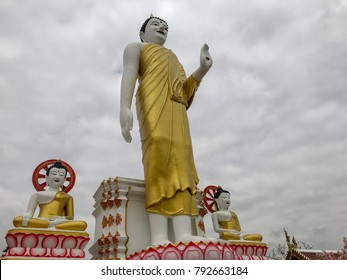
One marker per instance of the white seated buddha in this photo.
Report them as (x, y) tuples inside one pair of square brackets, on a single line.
[(56, 208), (226, 222)]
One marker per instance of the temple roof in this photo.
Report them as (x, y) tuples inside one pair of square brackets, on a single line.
[(295, 253), (306, 254)]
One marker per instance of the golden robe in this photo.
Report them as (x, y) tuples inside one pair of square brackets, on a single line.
[(163, 96), (60, 206), (234, 224)]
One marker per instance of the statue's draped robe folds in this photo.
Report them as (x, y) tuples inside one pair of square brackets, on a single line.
[(60, 206), (163, 96), (234, 224)]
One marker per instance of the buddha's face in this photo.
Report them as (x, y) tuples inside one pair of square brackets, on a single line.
[(56, 177), (155, 32), (223, 201)]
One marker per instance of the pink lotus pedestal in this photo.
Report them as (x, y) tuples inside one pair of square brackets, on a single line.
[(204, 251), (29, 243)]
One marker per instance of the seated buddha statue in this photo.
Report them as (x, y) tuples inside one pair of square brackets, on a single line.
[(226, 222), (56, 208)]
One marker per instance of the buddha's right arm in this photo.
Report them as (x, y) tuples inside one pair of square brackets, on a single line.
[(215, 223), (131, 64), (26, 218), (30, 209)]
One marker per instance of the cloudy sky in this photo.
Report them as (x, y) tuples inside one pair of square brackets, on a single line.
[(268, 123)]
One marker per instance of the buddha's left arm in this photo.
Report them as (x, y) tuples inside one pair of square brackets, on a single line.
[(69, 209), (237, 222), (190, 86), (205, 63), (192, 83)]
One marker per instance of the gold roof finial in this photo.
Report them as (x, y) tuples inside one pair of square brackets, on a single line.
[(287, 236), (291, 246), (294, 242)]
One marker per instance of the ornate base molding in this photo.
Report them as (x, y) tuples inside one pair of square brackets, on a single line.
[(203, 251), (121, 221)]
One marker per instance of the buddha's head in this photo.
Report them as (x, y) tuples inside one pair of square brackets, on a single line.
[(154, 30), (56, 175), (222, 198)]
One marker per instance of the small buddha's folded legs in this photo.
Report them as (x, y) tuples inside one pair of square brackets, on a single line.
[(73, 225), (253, 237), (33, 222)]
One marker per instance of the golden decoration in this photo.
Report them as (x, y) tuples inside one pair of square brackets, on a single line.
[(100, 241), (110, 203), (103, 204), (107, 241), (115, 238), (202, 212), (116, 193), (202, 226), (110, 221), (117, 202), (104, 222), (118, 219)]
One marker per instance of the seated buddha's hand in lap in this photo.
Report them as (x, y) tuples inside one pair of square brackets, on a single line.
[(233, 231), (26, 218), (57, 220)]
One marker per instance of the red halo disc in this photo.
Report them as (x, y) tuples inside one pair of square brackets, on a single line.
[(209, 198), (39, 175)]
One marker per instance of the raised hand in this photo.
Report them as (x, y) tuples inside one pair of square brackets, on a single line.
[(205, 58), (205, 63)]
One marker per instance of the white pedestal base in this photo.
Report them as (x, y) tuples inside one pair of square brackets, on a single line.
[(121, 221)]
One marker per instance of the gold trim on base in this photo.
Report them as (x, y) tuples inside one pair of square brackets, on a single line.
[(43, 231)]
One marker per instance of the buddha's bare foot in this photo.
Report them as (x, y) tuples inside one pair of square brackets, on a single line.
[(194, 238), (160, 242)]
